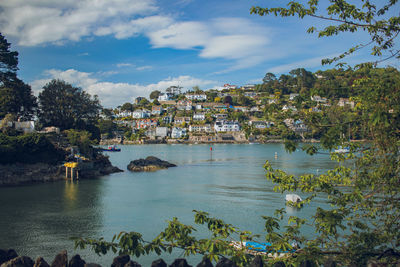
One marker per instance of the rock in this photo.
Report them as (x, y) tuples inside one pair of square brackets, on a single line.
[(205, 263), (3, 256), (11, 254), (76, 261), (158, 263), (257, 262), (120, 261), (180, 263), (40, 262), (21, 261), (224, 262), (132, 264), (149, 164), (61, 260)]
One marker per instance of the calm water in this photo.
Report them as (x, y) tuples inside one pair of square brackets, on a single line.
[(38, 220)]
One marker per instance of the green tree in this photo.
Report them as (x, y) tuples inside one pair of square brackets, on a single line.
[(127, 107), (15, 96), (154, 94), (67, 107)]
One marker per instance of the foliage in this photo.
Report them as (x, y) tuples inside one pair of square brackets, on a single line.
[(67, 107), (376, 19), (28, 148), (15, 96), (82, 139), (154, 94)]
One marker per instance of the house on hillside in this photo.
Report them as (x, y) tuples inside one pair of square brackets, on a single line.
[(226, 126), (141, 114), (178, 132), (157, 110), (181, 120), (146, 123), (198, 97), (165, 97), (203, 128)]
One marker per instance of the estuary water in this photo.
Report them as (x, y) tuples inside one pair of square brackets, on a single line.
[(228, 182)]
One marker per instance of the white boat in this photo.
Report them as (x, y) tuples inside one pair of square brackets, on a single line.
[(342, 150), (293, 199)]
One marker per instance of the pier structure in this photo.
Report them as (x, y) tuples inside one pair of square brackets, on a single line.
[(71, 168)]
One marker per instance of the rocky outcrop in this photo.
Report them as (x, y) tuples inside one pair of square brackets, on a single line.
[(22, 261), (20, 173), (149, 164), (40, 262)]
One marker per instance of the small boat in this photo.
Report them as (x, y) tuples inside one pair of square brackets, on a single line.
[(256, 248), (342, 150), (112, 148), (292, 199)]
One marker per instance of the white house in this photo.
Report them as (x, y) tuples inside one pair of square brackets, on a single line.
[(261, 124), (165, 97), (199, 97), (178, 132), (292, 96), (204, 128), (345, 101), (318, 99), (226, 126), (288, 107), (174, 90), (180, 120), (162, 131), (25, 126), (124, 113), (199, 117), (141, 114)]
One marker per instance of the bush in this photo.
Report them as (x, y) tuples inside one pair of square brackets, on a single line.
[(28, 148)]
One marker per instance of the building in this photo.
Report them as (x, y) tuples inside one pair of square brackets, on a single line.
[(174, 90), (162, 132), (184, 105), (203, 128), (181, 120), (292, 96), (141, 114), (199, 116), (146, 123), (124, 113), (318, 99), (226, 126), (198, 97), (167, 119), (178, 132), (25, 126), (157, 110), (165, 97), (221, 116), (345, 102)]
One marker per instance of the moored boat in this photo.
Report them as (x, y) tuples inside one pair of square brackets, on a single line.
[(112, 148)]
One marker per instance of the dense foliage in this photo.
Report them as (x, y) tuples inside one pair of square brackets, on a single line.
[(28, 148), (68, 107), (15, 96)]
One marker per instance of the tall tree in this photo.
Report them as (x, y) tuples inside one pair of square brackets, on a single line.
[(15, 96), (67, 107)]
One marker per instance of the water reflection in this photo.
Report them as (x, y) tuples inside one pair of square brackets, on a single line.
[(71, 194)]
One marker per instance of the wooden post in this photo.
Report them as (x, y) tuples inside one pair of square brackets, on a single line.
[(72, 173), (66, 172), (77, 174)]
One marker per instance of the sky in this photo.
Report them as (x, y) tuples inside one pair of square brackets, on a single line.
[(122, 49)]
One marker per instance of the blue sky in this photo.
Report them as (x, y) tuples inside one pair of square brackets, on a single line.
[(121, 49)]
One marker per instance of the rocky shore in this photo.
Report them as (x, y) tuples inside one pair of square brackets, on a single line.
[(149, 164), (9, 258), (21, 173)]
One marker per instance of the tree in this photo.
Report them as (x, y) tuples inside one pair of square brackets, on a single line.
[(154, 94), (67, 107), (269, 77), (127, 107), (362, 222), (15, 96), (375, 19)]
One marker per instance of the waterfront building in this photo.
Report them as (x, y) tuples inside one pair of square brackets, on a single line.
[(178, 132), (203, 128), (199, 116), (141, 114), (226, 126)]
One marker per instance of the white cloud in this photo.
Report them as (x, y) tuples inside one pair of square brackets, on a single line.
[(121, 65), (42, 21), (142, 68), (114, 94)]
